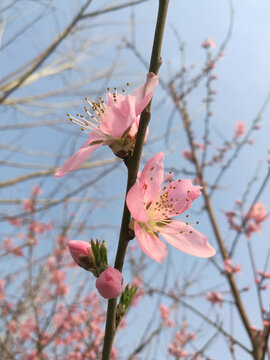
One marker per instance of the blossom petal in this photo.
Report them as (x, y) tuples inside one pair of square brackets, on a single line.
[(181, 193), (144, 93), (135, 203), (118, 116), (74, 162), (185, 238), (134, 129), (150, 244), (151, 178), (94, 137)]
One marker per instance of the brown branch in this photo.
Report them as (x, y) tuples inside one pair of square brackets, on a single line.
[(46, 53), (53, 170), (210, 211), (113, 8)]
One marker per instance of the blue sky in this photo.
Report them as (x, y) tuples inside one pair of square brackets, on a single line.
[(242, 86)]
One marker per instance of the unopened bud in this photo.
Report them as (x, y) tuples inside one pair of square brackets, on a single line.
[(109, 283), (82, 254)]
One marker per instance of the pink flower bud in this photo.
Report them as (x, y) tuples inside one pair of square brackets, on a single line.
[(109, 283), (79, 247)]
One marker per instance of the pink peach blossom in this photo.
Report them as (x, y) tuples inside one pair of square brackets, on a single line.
[(79, 247), (2, 291), (15, 221), (36, 190), (12, 326), (29, 205), (112, 123), (208, 43), (164, 311), (109, 283), (264, 274), (187, 154), (214, 297), (229, 269), (258, 212), (240, 129), (153, 208)]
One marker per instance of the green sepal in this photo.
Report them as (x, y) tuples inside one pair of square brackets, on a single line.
[(100, 255), (124, 302)]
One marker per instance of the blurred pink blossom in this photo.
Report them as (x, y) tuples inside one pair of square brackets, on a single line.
[(258, 212), (214, 297), (36, 190), (15, 221), (208, 43), (29, 206), (187, 154), (240, 129), (231, 269), (2, 292)]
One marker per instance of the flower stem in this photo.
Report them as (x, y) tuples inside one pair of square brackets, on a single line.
[(133, 166)]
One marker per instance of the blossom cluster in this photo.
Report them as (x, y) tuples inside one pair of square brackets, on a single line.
[(250, 222), (152, 205)]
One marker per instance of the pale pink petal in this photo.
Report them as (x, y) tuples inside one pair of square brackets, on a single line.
[(187, 239), (151, 178), (181, 193), (144, 93), (93, 137), (79, 247), (119, 116), (74, 162), (150, 244), (134, 129), (135, 203)]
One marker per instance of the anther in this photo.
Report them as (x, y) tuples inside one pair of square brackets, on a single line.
[(127, 84), (197, 222), (85, 98), (82, 129), (187, 215), (190, 232), (186, 223), (68, 114), (186, 199), (108, 89)]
